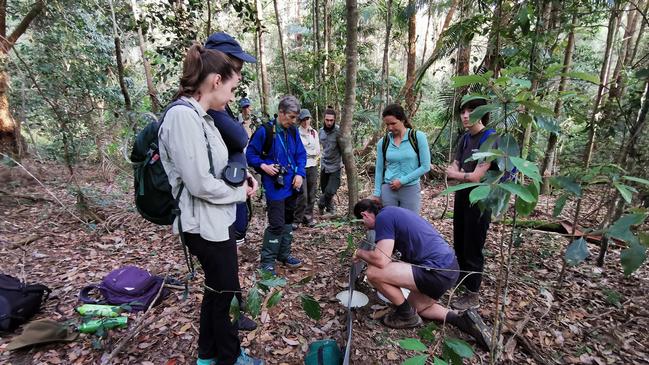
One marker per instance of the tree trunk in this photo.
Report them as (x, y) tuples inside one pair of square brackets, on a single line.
[(643, 26), (411, 96), (153, 94), (10, 140), (328, 65), (603, 81), (351, 56), (430, 14), (120, 68), (265, 86), (385, 68), (281, 47), (318, 67), (550, 151)]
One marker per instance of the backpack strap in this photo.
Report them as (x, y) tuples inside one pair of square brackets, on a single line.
[(269, 139), (384, 149), (414, 142), (84, 294), (486, 135)]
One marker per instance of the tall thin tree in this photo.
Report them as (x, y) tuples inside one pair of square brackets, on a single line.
[(281, 46)]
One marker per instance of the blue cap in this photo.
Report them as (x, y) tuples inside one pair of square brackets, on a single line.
[(244, 103), (304, 113), (224, 42)]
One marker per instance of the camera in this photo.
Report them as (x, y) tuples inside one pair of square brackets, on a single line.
[(279, 177)]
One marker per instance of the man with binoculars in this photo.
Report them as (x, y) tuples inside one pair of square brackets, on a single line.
[(277, 153)]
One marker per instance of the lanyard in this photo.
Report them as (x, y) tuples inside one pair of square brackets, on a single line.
[(288, 155)]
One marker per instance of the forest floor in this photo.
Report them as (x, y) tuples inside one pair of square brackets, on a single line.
[(597, 317)]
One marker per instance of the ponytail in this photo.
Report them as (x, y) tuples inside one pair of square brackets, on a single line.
[(199, 63)]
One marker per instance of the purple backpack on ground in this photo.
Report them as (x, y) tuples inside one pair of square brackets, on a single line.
[(127, 285)]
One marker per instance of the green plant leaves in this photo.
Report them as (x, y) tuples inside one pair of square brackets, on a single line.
[(412, 344), (454, 188), (518, 190), (567, 183), (583, 76), (632, 257), (459, 81), (416, 360), (528, 168), (438, 361), (559, 204), (274, 299), (459, 347), (526, 208), (626, 191), (479, 193), (273, 282), (621, 228), (426, 333), (480, 111), (310, 306), (576, 252), (636, 179), (253, 303), (235, 309)]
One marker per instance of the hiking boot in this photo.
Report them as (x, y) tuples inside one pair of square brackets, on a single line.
[(246, 324), (295, 226), (292, 262), (309, 224), (395, 320), (269, 269), (245, 359), (466, 301), (472, 324), (331, 209)]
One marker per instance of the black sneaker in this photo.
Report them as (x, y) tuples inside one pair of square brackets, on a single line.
[(246, 324), (394, 320), (472, 324)]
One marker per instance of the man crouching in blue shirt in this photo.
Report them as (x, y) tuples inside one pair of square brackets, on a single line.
[(426, 265)]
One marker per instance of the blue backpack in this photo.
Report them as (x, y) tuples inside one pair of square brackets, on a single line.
[(508, 175)]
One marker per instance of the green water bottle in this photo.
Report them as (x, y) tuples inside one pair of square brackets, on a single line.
[(99, 310), (93, 325)]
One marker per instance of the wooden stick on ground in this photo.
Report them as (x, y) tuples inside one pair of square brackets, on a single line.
[(141, 323)]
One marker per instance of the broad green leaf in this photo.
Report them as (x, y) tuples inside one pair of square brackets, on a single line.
[(480, 111), (482, 155), (518, 190), (583, 76), (576, 252), (454, 188), (426, 333), (305, 280), (412, 344), (528, 168), (524, 208), (460, 347), (310, 306), (548, 123), (459, 81), (469, 97), (416, 360), (522, 82), (626, 191), (567, 183), (273, 282), (632, 257), (559, 204), (274, 299), (479, 193), (438, 361), (235, 309), (642, 73), (524, 119), (643, 238), (497, 201), (622, 227), (509, 146), (636, 179), (253, 303)]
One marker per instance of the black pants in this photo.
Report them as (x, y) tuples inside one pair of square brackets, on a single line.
[(218, 336), (306, 199), (329, 184), (470, 227), (280, 212)]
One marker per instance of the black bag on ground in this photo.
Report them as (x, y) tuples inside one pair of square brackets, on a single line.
[(19, 301), (153, 198)]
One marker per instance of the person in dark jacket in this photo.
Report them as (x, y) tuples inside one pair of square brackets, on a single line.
[(282, 169), (331, 162)]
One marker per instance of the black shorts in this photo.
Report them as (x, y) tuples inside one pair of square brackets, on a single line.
[(434, 283)]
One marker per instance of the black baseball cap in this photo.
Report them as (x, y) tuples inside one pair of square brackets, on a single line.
[(224, 42)]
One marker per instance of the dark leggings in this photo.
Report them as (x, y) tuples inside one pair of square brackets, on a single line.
[(217, 337), (470, 227)]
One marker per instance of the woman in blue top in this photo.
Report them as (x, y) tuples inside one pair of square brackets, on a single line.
[(398, 165)]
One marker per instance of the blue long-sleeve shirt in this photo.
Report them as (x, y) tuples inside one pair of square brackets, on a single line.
[(287, 150), (401, 161)]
